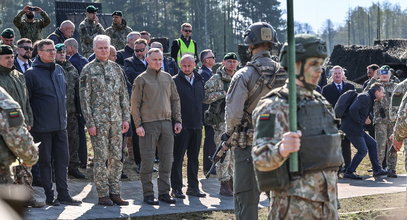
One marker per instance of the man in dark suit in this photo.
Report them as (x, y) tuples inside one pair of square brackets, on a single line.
[(24, 52), (332, 92)]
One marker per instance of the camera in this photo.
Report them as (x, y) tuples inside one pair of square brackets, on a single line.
[(32, 9)]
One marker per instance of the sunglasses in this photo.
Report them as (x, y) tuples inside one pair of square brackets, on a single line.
[(139, 50), (188, 31), (27, 48), (210, 58)]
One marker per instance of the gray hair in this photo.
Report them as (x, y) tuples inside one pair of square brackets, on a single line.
[(203, 54), (187, 56), (154, 50), (66, 23), (156, 44), (71, 42), (101, 38), (133, 35)]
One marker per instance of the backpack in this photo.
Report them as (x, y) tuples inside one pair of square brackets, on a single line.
[(344, 102)]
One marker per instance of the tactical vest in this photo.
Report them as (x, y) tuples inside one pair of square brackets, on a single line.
[(320, 144), (215, 114), (183, 49)]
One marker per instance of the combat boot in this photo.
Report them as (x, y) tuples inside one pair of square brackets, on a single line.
[(118, 200), (225, 189), (105, 201), (392, 174)]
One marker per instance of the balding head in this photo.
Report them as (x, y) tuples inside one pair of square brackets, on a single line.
[(67, 28)]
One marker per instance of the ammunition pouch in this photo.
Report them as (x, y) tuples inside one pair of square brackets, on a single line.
[(215, 113), (397, 97)]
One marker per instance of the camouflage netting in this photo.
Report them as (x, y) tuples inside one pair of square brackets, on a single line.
[(355, 58)]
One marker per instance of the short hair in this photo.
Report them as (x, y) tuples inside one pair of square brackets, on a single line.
[(375, 87), (185, 25), (145, 33), (101, 38), (132, 35), (23, 41), (373, 67), (44, 42), (112, 48), (338, 67), (203, 54), (141, 41), (156, 44), (66, 23), (71, 42), (154, 50), (187, 56)]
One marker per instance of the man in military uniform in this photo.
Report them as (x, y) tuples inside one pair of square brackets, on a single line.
[(31, 27), (7, 38), (118, 31), (215, 93), (88, 29), (313, 193), (248, 85), (383, 123), (71, 78), (105, 107)]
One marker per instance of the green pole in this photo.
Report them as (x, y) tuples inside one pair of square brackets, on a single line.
[(292, 96)]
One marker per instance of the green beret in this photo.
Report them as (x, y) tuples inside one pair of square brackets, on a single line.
[(5, 50), (230, 56), (91, 9), (118, 13), (60, 46), (8, 33)]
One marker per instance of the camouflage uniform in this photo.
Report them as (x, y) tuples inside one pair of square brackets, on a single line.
[(105, 105), (14, 47), (215, 90), (87, 31), (314, 194), (118, 35), (241, 99), (72, 78), (15, 139), (31, 30)]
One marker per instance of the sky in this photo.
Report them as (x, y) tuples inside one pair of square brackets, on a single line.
[(315, 12)]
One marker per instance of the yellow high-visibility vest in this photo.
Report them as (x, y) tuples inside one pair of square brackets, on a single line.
[(183, 49)]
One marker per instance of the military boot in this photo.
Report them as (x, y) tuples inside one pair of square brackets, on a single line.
[(225, 189), (105, 201), (32, 202), (118, 200), (392, 174)]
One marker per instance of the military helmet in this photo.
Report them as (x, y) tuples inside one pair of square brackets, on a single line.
[(260, 32), (306, 45)]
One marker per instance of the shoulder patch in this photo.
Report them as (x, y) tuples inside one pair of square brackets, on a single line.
[(14, 117), (265, 125)]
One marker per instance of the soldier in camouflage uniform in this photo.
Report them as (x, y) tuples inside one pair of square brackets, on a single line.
[(248, 85), (71, 78), (105, 107), (31, 27), (118, 31), (215, 93), (7, 38), (313, 193), (88, 29)]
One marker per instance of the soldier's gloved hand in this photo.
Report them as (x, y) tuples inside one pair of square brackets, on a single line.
[(290, 143)]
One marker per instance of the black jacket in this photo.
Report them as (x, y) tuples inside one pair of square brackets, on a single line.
[(124, 54), (170, 66), (354, 120), (191, 97), (331, 92), (132, 68), (47, 90), (57, 36), (17, 65)]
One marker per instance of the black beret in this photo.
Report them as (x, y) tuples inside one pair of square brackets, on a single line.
[(118, 13), (5, 50), (8, 33), (230, 56), (91, 9)]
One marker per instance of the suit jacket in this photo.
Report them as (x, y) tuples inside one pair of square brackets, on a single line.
[(17, 65), (331, 92), (132, 68)]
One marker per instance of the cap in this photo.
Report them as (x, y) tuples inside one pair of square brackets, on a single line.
[(5, 50), (91, 9), (384, 70), (118, 13), (8, 33), (60, 47), (230, 56)]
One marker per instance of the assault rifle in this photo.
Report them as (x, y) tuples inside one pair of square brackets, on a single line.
[(220, 153)]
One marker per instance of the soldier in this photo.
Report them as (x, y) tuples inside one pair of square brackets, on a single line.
[(313, 194), (250, 83), (88, 29), (215, 93), (7, 38), (31, 27), (118, 31), (105, 107), (15, 140), (383, 123), (71, 78)]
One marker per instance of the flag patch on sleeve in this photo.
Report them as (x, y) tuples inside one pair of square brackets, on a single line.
[(264, 117)]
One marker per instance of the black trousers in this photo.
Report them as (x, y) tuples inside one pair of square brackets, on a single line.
[(346, 152), (83, 149), (189, 141), (53, 147), (209, 147)]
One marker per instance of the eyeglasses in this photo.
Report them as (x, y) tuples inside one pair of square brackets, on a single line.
[(139, 50), (49, 50), (188, 31), (27, 48)]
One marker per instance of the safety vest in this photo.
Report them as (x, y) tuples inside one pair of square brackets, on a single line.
[(183, 49)]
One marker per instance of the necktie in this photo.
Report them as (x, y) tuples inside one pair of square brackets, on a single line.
[(25, 66), (339, 88)]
